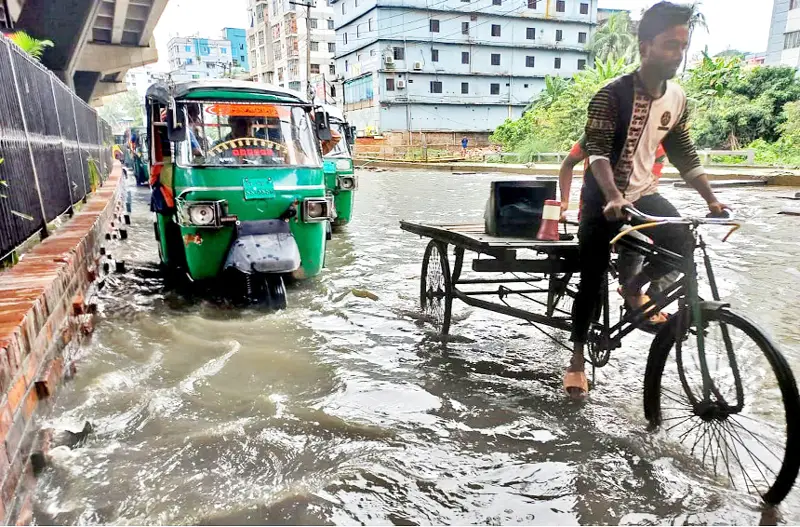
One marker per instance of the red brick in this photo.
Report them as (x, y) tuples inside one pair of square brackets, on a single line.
[(78, 305), (31, 368), (9, 487), (5, 372), (16, 394), (3, 460), (25, 513), (5, 423), (30, 404), (14, 436)]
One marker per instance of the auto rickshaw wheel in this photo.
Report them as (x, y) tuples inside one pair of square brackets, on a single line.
[(276, 292), (436, 287)]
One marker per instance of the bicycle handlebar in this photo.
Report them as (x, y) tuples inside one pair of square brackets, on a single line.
[(686, 220)]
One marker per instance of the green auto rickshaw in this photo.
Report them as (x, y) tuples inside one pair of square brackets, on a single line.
[(340, 181), (238, 187)]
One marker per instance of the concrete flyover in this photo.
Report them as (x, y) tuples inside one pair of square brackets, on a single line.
[(96, 41)]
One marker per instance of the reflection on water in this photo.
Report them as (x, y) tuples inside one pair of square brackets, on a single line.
[(347, 410)]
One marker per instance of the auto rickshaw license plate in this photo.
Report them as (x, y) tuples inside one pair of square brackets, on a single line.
[(262, 188)]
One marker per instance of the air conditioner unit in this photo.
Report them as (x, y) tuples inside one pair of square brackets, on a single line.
[(401, 84), (418, 65), (388, 60)]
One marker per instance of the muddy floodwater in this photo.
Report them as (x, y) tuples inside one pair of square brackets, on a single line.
[(348, 410)]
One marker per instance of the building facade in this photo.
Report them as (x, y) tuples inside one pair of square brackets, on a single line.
[(199, 58), (783, 48), (278, 46), (453, 65), (239, 54)]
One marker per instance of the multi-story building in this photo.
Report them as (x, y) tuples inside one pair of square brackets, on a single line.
[(239, 55), (199, 58), (453, 65), (783, 48), (278, 45), (140, 79)]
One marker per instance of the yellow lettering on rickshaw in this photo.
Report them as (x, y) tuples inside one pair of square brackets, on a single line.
[(248, 110)]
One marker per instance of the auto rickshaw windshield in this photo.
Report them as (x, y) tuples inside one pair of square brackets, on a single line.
[(341, 149), (251, 134)]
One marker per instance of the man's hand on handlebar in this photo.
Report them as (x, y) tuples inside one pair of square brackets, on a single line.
[(718, 210), (614, 209)]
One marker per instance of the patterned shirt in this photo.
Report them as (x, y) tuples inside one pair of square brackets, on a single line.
[(625, 126)]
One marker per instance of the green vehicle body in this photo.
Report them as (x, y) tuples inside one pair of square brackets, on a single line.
[(241, 195), (339, 163)]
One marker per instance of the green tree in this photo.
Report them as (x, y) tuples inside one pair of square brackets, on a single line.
[(697, 20), (614, 39), (30, 45), (554, 87), (123, 109)]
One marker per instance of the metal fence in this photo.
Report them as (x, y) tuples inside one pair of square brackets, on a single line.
[(48, 139)]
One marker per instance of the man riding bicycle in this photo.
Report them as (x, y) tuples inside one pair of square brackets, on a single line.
[(627, 119)]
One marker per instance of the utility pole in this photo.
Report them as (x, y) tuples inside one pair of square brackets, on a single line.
[(308, 46)]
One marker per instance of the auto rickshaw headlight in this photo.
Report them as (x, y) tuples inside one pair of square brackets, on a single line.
[(348, 182), (343, 164), (201, 213), (316, 210)]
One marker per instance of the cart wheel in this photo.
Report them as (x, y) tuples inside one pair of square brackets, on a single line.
[(436, 286)]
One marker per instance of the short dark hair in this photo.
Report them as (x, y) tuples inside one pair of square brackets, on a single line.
[(661, 17)]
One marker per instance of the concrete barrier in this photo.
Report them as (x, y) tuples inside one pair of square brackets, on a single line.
[(43, 311)]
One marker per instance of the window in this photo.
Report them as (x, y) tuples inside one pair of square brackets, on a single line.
[(399, 53), (358, 30), (495, 59), (559, 35), (436, 87), (314, 46), (356, 1), (497, 2), (373, 52), (333, 91), (557, 63), (581, 64), (581, 38), (344, 38), (315, 68), (465, 57), (331, 47), (434, 26), (312, 22), (532, 4), (224, 51), (464, 87), (389, 84), (791, 40), (530, 61), (530, 33), (369, 25), (494, 89), (332, 69), (330, 24), (495, 30), (561, 6), (584, 9), (434, 55), (465, 28), (344, 9), (189, 48), (346, 66)]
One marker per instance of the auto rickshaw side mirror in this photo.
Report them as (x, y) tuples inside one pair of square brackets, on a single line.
[(176, 130), (351, 135), (323, 126)]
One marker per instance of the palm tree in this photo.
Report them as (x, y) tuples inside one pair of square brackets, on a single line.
[(614, 39), (30, 45), (553, 88), (697, 20)]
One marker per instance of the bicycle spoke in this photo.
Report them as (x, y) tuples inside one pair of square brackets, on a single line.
[(741, 442), (737, 424), (678, 424), (727, 465), (665, 391)]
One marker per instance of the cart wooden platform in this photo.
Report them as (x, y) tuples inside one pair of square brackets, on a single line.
[(542, 272)]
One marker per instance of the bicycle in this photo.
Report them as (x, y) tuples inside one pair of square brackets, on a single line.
[(747, 354)]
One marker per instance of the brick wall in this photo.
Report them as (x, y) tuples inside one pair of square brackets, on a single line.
[(42, 311)]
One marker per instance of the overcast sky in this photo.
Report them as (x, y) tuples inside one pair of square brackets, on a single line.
[(739, 24)]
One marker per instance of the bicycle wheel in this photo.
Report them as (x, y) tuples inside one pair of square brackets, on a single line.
[(749, 437), (435, 295)]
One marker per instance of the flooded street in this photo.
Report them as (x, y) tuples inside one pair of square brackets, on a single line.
[(345, 410)]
